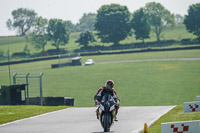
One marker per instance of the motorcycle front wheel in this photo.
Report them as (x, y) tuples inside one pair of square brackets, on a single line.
[(106, 123)]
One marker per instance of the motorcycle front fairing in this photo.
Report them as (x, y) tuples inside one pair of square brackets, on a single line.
[(107, 104), (107, 108)]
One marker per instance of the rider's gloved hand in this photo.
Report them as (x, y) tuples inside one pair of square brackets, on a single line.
[(117, 103), (97, 102)]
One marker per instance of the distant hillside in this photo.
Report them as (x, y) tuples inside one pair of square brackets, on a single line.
[(17, 43)]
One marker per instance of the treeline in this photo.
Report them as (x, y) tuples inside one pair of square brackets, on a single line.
[(112, 24)]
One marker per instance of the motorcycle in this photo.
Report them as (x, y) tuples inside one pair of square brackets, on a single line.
[(107, 112)]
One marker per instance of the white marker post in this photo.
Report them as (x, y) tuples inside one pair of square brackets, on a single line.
[(198, 98), (192, 106), (181, 127)]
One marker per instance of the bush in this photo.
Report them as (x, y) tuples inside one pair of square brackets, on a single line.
[(19, 54), (56, 52), (1, 54), (196, 41), (186, 41)]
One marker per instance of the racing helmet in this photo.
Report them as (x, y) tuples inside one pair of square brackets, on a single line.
[(109, 85)]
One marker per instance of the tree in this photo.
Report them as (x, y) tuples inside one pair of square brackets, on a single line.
[(85, 38), (192, 20), (86, 22), (113, 23), (22, 20), (58, 32), (70, 26), (39, 36), (159, 17), (140, 25), (179, 19)]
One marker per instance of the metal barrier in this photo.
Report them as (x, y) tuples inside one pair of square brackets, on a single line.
[(25, 79)]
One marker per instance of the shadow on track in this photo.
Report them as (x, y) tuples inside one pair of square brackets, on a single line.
[(104, 132)]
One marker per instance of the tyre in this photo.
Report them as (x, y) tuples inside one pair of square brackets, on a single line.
[(106, 123)]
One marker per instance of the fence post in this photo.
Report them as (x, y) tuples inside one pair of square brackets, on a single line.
[(59, 57), (14, 78), (41, 97), (27, 101)]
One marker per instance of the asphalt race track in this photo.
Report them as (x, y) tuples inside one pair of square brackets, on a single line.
[(83, 120)]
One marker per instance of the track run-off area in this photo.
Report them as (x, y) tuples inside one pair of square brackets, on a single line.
[(83, 120)]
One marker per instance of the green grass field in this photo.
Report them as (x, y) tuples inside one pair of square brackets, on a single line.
[(12, 113), (137, 83)]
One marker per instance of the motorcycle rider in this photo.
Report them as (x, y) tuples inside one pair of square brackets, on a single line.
[(108, 88)]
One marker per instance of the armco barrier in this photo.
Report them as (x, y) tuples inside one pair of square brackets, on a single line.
[(52, 101), (181, 127), (198, 98), (192, 106)]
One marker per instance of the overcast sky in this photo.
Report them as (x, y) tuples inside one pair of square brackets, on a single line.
[(74, 9)]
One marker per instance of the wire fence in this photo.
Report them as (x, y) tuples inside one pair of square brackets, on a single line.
[(34, 85)]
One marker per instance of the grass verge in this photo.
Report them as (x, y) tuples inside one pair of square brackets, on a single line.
[(12, 113), (176, 114)]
